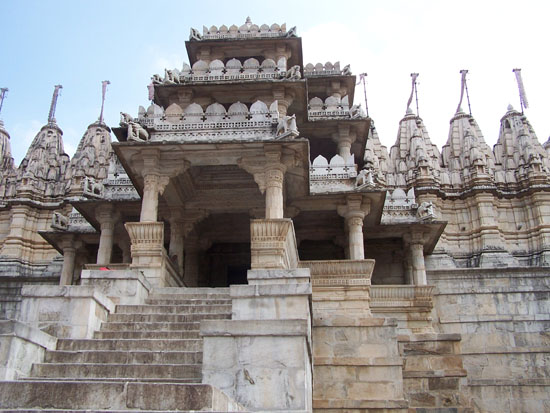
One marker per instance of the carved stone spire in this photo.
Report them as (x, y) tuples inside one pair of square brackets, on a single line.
[(520, 158), (6, 160), (43, 169), (467, 158), (376, 157), (414, 159), (90, 163)]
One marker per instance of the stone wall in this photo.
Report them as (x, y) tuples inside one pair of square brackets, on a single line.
[(503, 316)]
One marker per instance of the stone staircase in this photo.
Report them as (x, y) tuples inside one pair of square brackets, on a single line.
[(145, 357)]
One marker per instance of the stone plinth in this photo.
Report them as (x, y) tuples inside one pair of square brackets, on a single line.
[(65, 311), (262, 357), (21, 346), (264, 365), (357, 366), (122, 286), (356, 360), (411, 305), (433, 374), (149, 255), (273, 244)]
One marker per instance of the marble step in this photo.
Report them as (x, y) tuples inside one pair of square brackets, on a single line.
[(173, 309), (126, 357), (130, 344), (167, 326), (205, 291), (147, 334), (112, 396), (190, 301), (91, 370), (170, 318)]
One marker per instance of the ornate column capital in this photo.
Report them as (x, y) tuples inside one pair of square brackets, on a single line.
[(356, 206)]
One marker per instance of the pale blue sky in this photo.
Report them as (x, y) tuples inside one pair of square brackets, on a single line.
[(79, 43)]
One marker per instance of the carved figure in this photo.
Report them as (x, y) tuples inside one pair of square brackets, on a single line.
[(356, 111), (171, 77), (60, 221), (293, 73), (426, 211), (92, 187), (136, 132), (292, 32), (287, 126), (347, 70), (156, 79), (195, 35)]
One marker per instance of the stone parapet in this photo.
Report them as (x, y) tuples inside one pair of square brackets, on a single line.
[(411, 305), (263, 364), (122, 286), (20, 346), (65, 311), (273, 244)]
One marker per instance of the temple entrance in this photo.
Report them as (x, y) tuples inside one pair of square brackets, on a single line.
[(226, 264)]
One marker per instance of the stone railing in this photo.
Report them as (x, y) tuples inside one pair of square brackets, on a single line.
[(217, 71), (120, 187), (113, 267), (238, 123), (246, 31), (338, 175), (337, 168), (327, 69), (400, 206), (273, 244), (402, 295), (340, 273)]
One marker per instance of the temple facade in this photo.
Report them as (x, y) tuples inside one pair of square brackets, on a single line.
[(246, 243)]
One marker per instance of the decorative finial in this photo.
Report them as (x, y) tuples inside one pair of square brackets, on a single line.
[(522, 96), (248, 21), (413, 91), (103, 92), (464, 87), (3, 92), (362, 77), (51, 116)]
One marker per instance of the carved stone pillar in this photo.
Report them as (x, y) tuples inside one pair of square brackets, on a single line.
[(354, 212), (126, 253), (284, 100), (344, 138), (69, 247), (176, 242), (268, 171), (356, 244), (106, 217), (274, 203), (191, 272), (153, 186), (415, 241)]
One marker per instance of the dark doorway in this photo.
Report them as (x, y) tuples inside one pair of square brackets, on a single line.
[(237, 274)]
